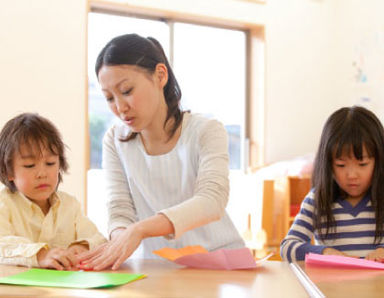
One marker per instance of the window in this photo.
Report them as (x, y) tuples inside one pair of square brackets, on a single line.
[(209, 64)]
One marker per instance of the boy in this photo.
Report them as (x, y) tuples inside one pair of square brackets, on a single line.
[(39, 226)]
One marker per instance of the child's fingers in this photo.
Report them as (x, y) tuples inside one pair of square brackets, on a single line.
[(64, 261), (55, 265), (79, 250), (72, 259)]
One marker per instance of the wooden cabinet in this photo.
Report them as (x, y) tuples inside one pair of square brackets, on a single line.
[(281, 201)]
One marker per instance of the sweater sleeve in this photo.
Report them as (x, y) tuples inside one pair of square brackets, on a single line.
[(297, 243), (121, 209), (211, 188)]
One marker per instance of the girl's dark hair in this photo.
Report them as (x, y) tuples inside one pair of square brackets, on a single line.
[(349, 128), (146, 53), (32, 131)]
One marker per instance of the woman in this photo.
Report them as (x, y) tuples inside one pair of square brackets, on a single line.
[(167, 170)]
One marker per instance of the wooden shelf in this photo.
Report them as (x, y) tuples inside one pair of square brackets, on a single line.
[(278, 196)]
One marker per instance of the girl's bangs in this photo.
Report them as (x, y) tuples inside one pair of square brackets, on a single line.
[(351, 143)]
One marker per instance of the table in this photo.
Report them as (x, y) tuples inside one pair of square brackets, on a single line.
[(337, 282), (166, 279)]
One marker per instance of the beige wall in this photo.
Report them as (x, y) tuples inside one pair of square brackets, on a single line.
[(312, 45), (309, 52), (43, 69), (300, 83), (359, 37)]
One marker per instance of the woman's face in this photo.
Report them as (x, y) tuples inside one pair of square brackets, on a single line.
[(133, 95)]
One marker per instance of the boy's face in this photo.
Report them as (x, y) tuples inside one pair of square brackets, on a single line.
[(35, 173)]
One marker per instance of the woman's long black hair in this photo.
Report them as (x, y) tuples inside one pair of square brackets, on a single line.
[(350, 129), (146, 53)]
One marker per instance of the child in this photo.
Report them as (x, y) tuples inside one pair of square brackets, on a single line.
[(345, 208), (39, 226)]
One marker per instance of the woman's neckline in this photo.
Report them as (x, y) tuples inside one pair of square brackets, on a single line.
[(183, 125)]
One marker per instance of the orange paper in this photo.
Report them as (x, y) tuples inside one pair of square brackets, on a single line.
[(175, 253)]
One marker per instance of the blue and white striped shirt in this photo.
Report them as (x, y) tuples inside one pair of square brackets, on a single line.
[(354, 234)]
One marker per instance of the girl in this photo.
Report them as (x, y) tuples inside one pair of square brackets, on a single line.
[(39, 226), (166, 170), (345, 208)]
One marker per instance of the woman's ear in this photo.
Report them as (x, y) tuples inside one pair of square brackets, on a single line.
[(161, 73)]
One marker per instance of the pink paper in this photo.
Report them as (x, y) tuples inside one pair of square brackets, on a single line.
[(341, 261), (227, 259)]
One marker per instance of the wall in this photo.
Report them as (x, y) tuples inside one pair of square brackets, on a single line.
[(300, 81), (321, 55), (359, 49), (43, 69), (310, 48)]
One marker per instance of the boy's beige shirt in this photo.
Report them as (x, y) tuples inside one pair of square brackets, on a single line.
[(24, 229)]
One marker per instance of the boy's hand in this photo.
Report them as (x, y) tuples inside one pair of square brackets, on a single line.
[(57, 258), (77, 249), (376, 255)]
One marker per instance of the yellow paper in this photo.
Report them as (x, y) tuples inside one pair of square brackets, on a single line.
[(175, 253)]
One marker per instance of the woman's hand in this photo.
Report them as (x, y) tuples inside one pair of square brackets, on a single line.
[(117, 232), (57, 258), (124, 242), (376, 255), (114, 252)]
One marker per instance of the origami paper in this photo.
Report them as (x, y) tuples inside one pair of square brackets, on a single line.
[(222, 259), (69, 279), (341, 261)]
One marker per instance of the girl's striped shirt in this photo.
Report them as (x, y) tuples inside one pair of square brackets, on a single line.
[(354, 234)]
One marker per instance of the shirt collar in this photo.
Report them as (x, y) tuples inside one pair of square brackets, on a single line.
[(54, 200)]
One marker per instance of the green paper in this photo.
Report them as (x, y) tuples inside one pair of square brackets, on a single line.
[(70, 279)]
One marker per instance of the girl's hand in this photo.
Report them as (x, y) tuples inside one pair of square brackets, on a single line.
[(376, 255), (332, 251), (114, 252), (78, 249), (335, 252), (57, 258)]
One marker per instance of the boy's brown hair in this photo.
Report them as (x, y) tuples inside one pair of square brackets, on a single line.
[(33, 131)]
